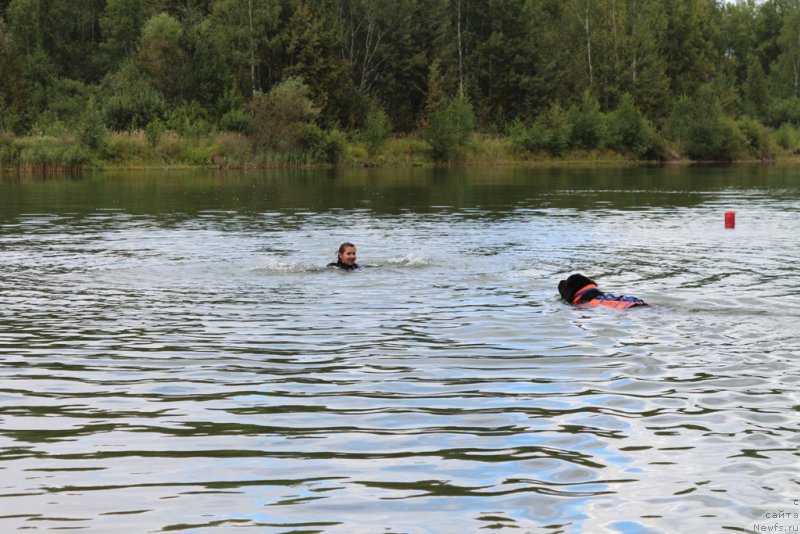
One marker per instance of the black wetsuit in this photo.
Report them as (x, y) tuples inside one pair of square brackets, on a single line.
[(344, 266)]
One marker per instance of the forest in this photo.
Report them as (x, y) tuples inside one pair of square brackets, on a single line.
[(282, 82)]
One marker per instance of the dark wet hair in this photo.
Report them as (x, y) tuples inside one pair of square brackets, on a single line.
[(342, 247)]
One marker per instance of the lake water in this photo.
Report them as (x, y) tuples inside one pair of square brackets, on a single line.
[(174, 356)]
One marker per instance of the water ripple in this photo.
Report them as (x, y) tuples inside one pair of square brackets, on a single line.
[(204, 370)]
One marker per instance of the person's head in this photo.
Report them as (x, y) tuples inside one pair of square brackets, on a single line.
[(347, 253)]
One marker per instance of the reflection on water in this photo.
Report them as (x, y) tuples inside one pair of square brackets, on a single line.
[(174, 355)]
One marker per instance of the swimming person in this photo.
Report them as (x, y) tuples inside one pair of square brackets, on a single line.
[(345, 258)]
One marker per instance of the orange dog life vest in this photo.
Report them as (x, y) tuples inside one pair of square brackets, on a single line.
[(606, 299)]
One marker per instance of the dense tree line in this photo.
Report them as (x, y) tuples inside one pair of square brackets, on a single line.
[(552, 73)]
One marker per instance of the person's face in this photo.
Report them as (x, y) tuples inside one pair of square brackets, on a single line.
[(348, 255)]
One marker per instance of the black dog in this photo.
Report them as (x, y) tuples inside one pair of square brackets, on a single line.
[(578, 289)]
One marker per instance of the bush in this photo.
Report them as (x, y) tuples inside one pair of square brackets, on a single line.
[(538, 135), (784, 111), (558, 130), (10, 119), (273, 114), (449, 127), (630, 132), (51, 153), (788, 138), (490, 148), (188, 119), (232, 149), (463, 117), (9, 151), (306, 142), (302, 137), (550, 132), (47, 124), (717, 139), (355, 154), (532, 138), (171, 147), (518, 134), (680, 122), (710, 134), (153, 132), (131, 102), (377, 128), (197, 154), (333, 146), (589, 124), (64, 102), (91, 129), (235, 120), (124, 147), (407, 150), (232, 112), (756, 135)]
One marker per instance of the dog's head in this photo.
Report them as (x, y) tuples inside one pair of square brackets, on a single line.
[(574, 283)]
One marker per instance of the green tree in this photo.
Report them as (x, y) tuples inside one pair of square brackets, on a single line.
[(68, 32), (755, 90), (232, 113), (208, 73), (784, 111), (121, 26), (583, 13), (514, 61), (435, 93), (786, 73), (768, 26), (420, 34), (589, 125), (312, 55), (367, 27), (24, 22), (160, 57), (690, 44), (189, 119), (618, 48), (377, 128), (153, 132), (40, 81), (646, 64), (129, 100), (559, 130), (709, 133), (605, 43), (13, 87), (738, 26), (332, 147), (250, 28), (680, 121), (91, 128), (58, 39), (717, 140), (759, 142), (275, 115), (629, 130), (449, 128)]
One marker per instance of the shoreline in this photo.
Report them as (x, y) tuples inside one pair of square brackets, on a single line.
[(545, 163), (47, 155)]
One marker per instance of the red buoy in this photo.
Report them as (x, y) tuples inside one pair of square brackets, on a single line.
[(730, 219)]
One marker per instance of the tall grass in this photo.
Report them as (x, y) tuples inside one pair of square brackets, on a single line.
[(48, 154), (42, 154)]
